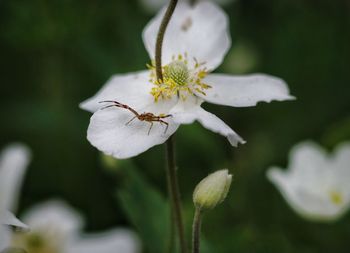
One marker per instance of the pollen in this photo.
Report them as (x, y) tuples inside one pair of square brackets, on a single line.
[(177, 71), (180, 78), (336, 197)]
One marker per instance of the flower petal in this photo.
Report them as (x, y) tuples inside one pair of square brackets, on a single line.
[(187, 112), (7, 218), (54, 214), (191, 31), (5, 237), (341, 160), (152, 6), (243, 91), (13, 164), (118, 240), (109, 132), (310, 205), (308, 159), (310, 185), (132, 89)]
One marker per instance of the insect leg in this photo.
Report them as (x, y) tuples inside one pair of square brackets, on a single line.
[(114, 103), (165, 123), (109, 101), (108, 106), (127, 123), (165, 116), (149, 130)]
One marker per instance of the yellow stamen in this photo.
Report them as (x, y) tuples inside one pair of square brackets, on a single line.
[(336, 197), (178, 79)]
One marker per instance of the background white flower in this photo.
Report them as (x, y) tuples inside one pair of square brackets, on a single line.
[(152, 6), (316, 184), (14, 160), (56, 228), (196, 42)]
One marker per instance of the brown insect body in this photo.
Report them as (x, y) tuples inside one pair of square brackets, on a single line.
[(146, 116)]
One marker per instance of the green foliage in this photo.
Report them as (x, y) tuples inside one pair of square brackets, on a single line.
[(54, 54), (146, 208)]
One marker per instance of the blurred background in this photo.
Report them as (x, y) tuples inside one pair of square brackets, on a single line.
[(55, 54)]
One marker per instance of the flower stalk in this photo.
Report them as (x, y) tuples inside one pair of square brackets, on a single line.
[(160, 38), (196, 230), (174, 192), (172, 180)]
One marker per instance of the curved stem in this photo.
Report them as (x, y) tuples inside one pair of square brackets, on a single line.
[(171, 168), (196, 231), (159, 44), (175, 193)]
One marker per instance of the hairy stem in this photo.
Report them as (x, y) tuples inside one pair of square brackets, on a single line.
[(160, 38), (196, 231), (175, 193), (171, 168), (172, 232)]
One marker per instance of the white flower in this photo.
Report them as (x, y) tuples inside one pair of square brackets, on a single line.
[(195, 43), (316, 184), (56, 228), (152, 6), (53, 226), (13, 163)]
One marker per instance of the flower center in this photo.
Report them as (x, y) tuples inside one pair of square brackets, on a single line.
[(336, 197), (177, 72), (37, 242), (180, 78)]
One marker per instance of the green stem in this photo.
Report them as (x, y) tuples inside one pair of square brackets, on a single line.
[(196, 231), (171, 168), (160, 38), (175, 193), (172, 234), (193, 2)]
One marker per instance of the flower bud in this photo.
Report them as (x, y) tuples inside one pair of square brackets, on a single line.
[(212, 190)]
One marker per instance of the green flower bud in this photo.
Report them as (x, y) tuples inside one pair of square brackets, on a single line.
[(212, 190)]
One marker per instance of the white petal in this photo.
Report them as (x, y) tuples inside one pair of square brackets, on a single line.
[(7, 218), (109, 132), (13, 164), (56, 215), (311, 180), (341, 161), (118, 240), (243, 91), (341, 158), (308, 159), (309, 204), (201, 32), (152, 6), (5, 237), (132, 89), (188, 112)]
